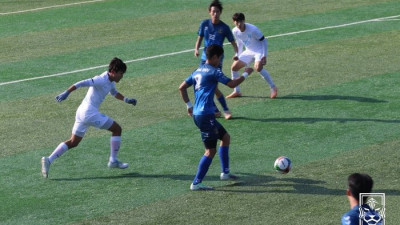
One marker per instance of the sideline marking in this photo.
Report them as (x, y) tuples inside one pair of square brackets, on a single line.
[(49, 7), (389, 18)]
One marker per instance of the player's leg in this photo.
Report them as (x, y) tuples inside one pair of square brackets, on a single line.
[(78, 131), (115, 143), (244, 60), (223, 152), (258, 65), (222, 101), (202, 169), (236, 66), (209, 137)]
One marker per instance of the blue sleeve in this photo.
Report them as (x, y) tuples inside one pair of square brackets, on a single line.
[(229, 34), (221, 77), (200, 32), (189, 80)]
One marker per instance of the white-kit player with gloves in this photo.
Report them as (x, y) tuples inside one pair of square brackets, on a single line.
[(88, 114)]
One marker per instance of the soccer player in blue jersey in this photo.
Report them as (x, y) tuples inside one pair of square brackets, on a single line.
[(360, 183), (214, 31), (88, 114), (204, 81)]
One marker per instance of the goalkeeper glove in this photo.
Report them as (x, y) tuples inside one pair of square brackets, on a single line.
[(130, 101), (62, 96)]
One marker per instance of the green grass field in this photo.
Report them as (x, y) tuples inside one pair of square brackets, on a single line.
[(337, 112)]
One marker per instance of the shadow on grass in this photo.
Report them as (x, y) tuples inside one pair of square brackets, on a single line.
[(247, 183), (182, 177), (251, 183), (313, 120), (332, 97)]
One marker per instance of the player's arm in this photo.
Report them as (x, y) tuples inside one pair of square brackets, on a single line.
[(121, 97), (236, 50), (264, 43), (235, 82), (197, 46), (185, 97), (82, 83)]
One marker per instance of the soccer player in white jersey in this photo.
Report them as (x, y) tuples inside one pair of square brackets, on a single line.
[(256, 50), (88, 114)]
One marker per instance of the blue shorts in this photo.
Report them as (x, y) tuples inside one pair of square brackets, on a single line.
[(211, 130)]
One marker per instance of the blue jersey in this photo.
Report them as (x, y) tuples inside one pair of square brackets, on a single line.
[(204, 81), (214, 34), (352, 217)]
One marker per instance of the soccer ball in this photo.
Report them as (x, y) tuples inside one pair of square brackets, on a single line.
[(283, 164)]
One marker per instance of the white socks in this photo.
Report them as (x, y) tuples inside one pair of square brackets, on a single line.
[(61, 149), (115, 142), (234, 75), (264, 73)]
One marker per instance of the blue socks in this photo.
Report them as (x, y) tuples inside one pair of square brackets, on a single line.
[(222, 100), (204, 164), (224, 158)]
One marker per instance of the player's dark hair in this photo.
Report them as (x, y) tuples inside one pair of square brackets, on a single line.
[(359, 183), (238, 17), (215, 3), (214, 50), (117, 65)]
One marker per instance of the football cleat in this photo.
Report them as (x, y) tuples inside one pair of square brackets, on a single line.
[(118, 164), (228, 176), (227, 115), (274, 92), (45, 167), (200, 187), (234, 95)]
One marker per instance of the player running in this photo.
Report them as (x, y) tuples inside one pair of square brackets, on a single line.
[(88, 114), (214, 31), (205, 80), (256, 45)]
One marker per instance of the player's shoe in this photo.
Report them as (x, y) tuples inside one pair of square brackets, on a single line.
[(274, 92), (45, 167), (227, 115), (228, 176), (117, 164), (200, 187), (234, 95)]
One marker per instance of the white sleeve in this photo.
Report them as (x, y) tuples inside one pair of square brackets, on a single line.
[(265, 47), (240, 47), (113, 91), (84, 83)]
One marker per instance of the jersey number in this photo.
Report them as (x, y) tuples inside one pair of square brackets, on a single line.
[(197, 77)]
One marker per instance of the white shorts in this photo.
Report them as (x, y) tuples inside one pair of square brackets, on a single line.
[(250, 56), (90, 117)]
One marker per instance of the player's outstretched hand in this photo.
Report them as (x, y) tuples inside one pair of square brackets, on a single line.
[(248, 70), (62, 96), (130, 101)]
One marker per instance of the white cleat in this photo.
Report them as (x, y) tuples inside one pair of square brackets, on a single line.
[(117, 164), (228, 176), (45, 167), (200, 187)]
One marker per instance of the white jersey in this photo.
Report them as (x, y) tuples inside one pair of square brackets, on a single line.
[(100, 86), (251, 38)]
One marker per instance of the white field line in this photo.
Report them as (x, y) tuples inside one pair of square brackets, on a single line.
[(49, 7), (190, 50)]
